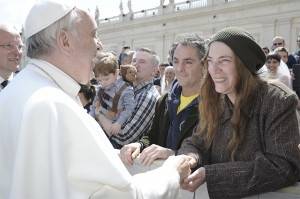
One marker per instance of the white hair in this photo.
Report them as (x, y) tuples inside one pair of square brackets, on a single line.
[(44, 42), (154, 59)]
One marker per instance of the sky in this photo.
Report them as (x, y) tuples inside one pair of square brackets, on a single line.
[(14, 12)]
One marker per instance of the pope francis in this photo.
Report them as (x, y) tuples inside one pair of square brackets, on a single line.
[(50, 148)]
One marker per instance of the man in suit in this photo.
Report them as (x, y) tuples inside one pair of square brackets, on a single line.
[(10, 53)]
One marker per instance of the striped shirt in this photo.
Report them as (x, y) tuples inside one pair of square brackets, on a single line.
[(146, 96), (126, 102)]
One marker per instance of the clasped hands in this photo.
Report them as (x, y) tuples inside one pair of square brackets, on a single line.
[(183, 163), (190, 181)]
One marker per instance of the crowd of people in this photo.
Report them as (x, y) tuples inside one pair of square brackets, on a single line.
[(281, 65), (222, 112)]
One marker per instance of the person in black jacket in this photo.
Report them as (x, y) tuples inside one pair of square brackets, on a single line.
[(176, 112)]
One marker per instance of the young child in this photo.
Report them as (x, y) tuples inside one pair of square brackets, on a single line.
[(114, 100)]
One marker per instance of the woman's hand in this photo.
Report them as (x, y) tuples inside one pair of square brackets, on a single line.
[(194, 180)]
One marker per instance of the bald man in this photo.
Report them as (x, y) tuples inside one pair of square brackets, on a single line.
[(10, 53)]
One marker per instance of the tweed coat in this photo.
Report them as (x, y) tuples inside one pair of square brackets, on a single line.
[(267, 159)]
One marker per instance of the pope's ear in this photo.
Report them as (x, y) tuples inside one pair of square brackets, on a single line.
[(63, 40)]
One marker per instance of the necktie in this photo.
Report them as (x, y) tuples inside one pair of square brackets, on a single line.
[(4, 83)]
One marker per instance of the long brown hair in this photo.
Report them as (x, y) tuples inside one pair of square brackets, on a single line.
[(211, 106)]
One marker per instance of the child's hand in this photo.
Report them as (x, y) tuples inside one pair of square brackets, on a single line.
[(115, 128), (97, 103), (105, 124), (97, 107)]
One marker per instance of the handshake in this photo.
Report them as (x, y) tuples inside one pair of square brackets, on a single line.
[(182, 163)]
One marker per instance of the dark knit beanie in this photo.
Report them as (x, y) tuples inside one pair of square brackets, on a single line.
[(243, 45)]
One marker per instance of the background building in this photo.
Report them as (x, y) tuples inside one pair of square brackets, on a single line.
[(158, 27)]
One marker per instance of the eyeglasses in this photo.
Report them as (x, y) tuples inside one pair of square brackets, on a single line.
[(11, 47), (277, 44)]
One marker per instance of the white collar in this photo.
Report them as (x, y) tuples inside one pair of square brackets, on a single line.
[(63, 80), (2, 79)]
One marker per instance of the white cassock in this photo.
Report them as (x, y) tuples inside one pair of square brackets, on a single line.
[(50, 148)]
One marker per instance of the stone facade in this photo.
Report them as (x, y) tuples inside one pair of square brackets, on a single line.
[(157, 28)]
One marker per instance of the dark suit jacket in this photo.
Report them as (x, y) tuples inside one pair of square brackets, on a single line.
[(267, 159)]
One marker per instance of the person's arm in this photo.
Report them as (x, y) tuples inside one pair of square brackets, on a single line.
[(155, 152), (153, 183), (130, 151), (73, 143), (127, 105), (105, 123), (94, 104), (115, 128), (97, 112), (140, 120), (276, 166), (158, 124), (193, 181), (93, 108), (194, 147)]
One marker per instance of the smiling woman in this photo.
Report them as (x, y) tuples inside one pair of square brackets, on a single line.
[(248, 134), (221, 67)]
